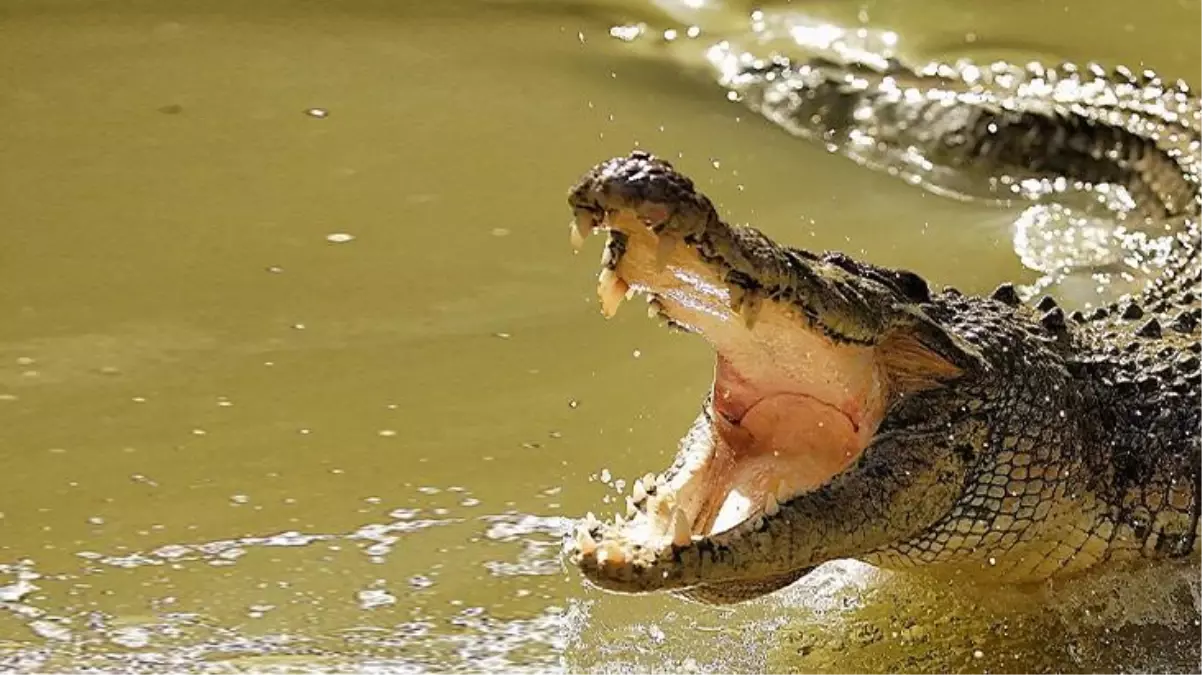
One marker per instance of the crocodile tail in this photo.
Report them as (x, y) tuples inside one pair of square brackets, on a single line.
[(998, 131)]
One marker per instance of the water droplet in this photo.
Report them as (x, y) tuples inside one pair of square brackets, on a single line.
[(375, 598), (319, 113), (339, 238)]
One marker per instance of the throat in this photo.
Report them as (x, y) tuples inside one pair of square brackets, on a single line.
[(781, 446)]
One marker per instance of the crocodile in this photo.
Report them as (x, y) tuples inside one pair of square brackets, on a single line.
[(858, 412)]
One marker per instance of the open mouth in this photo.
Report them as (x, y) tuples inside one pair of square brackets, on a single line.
[(791, 405)]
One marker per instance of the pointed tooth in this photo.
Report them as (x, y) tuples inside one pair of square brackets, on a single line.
[(682, 532), (663, 507), (619, 521), (612, 289), (757, 523), (659, 508), (783, 492), (749, 309), (585, 541), (630, 291), (648, 480), (632, 509), (576, 236), (771, 506), (638, 493), (590, 519), (737, 295), (655, 308), (609, 552)]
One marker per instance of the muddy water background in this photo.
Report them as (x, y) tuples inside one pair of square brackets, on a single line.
[(227, 441)]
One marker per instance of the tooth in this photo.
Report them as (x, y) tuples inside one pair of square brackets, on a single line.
[(737, 295), (653, 508), (632, 509), (610, 551), (663, 507), (771, 507), (585, 541), (619, 521), (682, 533), (630, 292), (648, 481), (757, 523), (655, 308), (749, 309), (590, 520), (612, 289), (638, 493), (783, 492), (577, 237)]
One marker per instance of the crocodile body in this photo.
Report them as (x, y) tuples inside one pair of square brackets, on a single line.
[(858, 413)]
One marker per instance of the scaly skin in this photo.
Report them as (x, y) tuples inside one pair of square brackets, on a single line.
[(1014, 443)]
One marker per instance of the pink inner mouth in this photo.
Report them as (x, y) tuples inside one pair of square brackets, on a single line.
[(766, 436)]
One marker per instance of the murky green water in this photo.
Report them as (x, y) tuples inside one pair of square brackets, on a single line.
[(297, 371)]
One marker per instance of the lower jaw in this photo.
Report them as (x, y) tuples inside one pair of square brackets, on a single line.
[(727, 474)]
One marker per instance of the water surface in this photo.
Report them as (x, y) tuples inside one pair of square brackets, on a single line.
[(297, 370)]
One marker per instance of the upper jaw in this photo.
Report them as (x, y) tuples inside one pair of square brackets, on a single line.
[(648, 207)]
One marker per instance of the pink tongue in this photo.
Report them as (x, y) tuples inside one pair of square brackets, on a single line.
[(788, 438)]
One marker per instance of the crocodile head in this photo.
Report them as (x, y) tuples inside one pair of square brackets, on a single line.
[(829, 431)]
